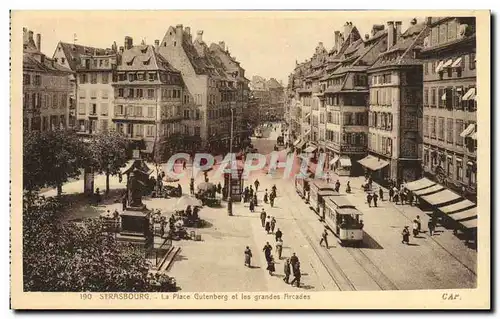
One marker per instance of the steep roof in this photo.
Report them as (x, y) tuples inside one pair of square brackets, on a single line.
[(400, 52), (73, 53), (144, 57), (39, 62), (274, 84)]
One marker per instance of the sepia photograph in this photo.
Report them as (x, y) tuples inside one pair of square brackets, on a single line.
[(246, 159)]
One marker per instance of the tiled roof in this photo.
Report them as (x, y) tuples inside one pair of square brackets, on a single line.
[(273, 84), (199, 63), (353, 47), (411, 38), (30, 62), (316, 74), (73, 53), (144, 57)]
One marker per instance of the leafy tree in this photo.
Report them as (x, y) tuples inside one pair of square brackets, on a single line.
[(78, 256), (109, 152), (50, 158)]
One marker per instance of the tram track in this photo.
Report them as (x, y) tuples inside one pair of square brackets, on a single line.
[(371, 269), (338, 276)]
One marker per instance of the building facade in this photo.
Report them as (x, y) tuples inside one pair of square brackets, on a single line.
[(449, 104), (148, 95), (395, 111), (47, 89), (270, 97)]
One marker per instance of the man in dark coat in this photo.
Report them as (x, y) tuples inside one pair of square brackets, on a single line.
[(287, 271), (263, 216), (294, 259), (191, 186), (375, 198), (381, 193), (324, 238), (256, 183), (267, 251), (296, 274), (391, 193), (278, 234)]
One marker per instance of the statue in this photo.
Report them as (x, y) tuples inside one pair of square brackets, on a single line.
[(135, 189)]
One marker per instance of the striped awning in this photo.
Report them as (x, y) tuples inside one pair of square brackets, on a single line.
[(428, 190), (310, 149), (457, 206), (334, 160), (470, 224), (345, 162), (297, 142), (447, 63), (419, 184), (471, 93), (466, 214), (468, 131), (457, 63), (439, 67), (441, 197), (373, 163)]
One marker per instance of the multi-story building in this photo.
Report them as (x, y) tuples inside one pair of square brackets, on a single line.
[(213, 84), (276, 99), (149, 98), (47, 89), (395, 108), (95, 73), (449, 104), (346, 99)]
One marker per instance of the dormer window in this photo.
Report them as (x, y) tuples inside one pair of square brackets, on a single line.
[(145, 50)]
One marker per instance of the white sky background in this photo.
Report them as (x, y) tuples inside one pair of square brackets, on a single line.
[(266, 46)]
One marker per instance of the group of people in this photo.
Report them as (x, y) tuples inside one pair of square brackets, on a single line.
[(269, 198), (250, 196), (401, 195)]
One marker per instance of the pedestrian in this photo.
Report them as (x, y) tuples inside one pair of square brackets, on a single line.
[(267, 251), (98, 196), (120, 177), (391, 194), (273, 190), (324, 238), (287, 270), (294, 260), (431, 226), (250, 191), (328, 177), (337, 186), (296, 274), (270, 265), (184, 165), (179, 189), (124, 202), (256, 183), (381, 193), (410, 198), (246, 194), (396, 197), (375, 198), (255, 200), (273, 224), (248, 257), (348, 187), (191, 186), (419, 222), (279, 248), (278, 234), (219, 188), (406, 236), (252, 207), (369, 199), (265, 197), (262, 217), (272, 201), (415, 228), (268, 224)]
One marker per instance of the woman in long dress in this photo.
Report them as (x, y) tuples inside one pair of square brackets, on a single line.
[(248, 257), (270, 266)]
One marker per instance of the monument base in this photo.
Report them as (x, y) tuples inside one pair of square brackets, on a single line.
[(135, 222)]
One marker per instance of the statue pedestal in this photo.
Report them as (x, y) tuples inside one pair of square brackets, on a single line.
[(134, 224)]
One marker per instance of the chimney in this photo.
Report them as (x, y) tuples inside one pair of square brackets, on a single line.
[(367, 36), (39, 42), (222, 45), (129, 43), (413, 21), (178, 29), (199, 36), (347, 30), (336, 43), (397, 30), (188, 30), (429, 20), (157, 43), (121, 49), (390, 34)]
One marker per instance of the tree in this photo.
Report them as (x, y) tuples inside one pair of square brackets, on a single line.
[(78, 256), (109, 152), (50, 158)]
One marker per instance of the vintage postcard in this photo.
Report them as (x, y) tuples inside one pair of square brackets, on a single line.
[(250, 160)]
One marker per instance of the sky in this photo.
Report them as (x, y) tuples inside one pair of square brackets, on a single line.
[(266, 43)]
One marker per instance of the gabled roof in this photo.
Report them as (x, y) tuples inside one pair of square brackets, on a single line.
[(73, 53), (39, 62), (274, 84), (400, 52), (144, 57)]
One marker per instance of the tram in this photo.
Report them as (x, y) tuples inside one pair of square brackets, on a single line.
[(344, 220), (302, 186), (320, 190)]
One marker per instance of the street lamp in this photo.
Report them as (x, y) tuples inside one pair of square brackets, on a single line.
[(229, 191)]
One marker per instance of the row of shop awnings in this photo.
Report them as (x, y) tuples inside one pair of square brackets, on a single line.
[(470, 131), (450, 63), (449, 203), (373, 163), (299, 143)]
